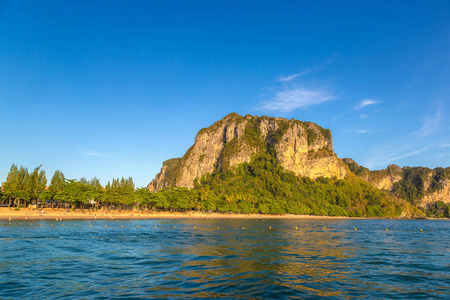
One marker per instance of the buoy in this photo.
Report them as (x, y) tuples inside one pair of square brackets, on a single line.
[(155, 226), (270, 227), (324, 227), (242, 227), (52, 224), (296, 227), (356, 228), (174, 227), (76, 225), (194, 227), (106, 225), (121, 226), (420, 230), (138, 225), (218, 227), (62, 224), (40, 224), (90, 224), (386, 229), (30, 223)]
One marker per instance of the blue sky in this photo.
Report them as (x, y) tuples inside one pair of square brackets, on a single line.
[(114, 88)]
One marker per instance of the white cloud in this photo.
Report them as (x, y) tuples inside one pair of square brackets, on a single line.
[(384, 160), (312, 69), (90, 153), (362, 131), (363, 103), (290, 99), (444, 145), (366, 102), (290, 77), (430, 125)]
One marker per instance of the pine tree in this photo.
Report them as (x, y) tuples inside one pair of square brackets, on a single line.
[(57, 184), (11, 184)]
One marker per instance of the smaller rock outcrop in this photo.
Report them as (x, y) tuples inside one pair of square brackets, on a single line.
[(420, 186), (381, 179)]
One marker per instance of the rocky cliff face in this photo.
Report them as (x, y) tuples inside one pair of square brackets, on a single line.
[(301, 147), (443, 194), (420, 186), (381, 179)]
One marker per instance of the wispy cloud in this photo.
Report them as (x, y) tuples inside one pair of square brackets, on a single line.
[(317, 68), (366, 102), (89, 152), (383, 161), (430, 125), (290, 77), (360, 105), (429, 140), (293, 98)]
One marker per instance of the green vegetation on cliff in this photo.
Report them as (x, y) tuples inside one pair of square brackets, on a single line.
[(413, 183), (262, 186)]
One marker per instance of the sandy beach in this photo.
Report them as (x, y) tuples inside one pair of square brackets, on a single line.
[(63, 214)]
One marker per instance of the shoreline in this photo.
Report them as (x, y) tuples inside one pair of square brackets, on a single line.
[(54, 213), (63, 214)]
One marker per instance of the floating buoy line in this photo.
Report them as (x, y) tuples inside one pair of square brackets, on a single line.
[(174, 227)]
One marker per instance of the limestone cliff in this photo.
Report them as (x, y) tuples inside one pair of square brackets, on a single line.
[(381, 179), (420, 186), (442, 194), (301, 147)]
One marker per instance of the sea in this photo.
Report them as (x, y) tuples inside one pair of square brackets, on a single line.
[(226, 258)]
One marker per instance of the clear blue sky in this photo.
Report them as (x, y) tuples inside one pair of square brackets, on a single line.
[(114, 88)]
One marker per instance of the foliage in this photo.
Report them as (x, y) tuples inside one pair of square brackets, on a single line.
[(23, 187), (262, 186), (172, 169), (439, 209), (320, 153)]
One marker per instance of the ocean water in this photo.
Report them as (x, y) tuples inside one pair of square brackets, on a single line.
[(248, 259)]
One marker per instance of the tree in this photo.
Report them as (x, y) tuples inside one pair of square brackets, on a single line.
[(21, 192), (57, 184), (11, 184)]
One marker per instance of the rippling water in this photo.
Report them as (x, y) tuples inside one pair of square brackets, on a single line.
[(225, 258)]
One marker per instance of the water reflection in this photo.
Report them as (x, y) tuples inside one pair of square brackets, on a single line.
[(279, 259), (218, 258)]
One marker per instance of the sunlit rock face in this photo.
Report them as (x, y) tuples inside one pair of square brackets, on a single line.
[(301, 147), (430, 185)]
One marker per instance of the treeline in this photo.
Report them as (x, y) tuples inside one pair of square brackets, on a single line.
[(261, 186), (23, 188)]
